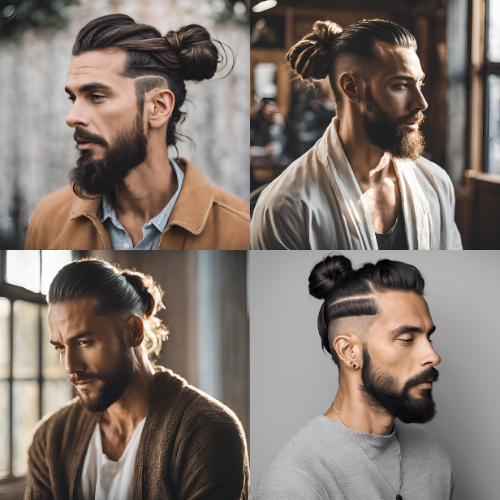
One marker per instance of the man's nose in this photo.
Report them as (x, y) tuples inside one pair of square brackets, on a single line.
[(71, 362), (76, 117)]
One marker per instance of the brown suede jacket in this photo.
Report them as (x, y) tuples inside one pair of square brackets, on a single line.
[(205, 217)]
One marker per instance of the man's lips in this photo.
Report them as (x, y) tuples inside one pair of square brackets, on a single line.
[(84, 383), (84, 144), (427, 384)]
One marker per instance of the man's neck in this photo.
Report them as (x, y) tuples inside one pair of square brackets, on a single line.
[(357, 414), (145, 192), (124, 415), (369, 163)]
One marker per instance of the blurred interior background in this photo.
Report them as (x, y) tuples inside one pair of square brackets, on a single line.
[(37, 149), (459, 50), (206, 312)]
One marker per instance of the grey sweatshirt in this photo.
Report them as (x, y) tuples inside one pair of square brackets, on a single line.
[(325, 461)]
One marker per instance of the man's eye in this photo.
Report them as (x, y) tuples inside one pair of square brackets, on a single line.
[(83, 343), (406, 341), (402, 85), (59, 347), (96, 97), (71, 98)]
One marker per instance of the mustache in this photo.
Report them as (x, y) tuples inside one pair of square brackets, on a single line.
[(82, 377), (430, 374), (419, 117), (82, 134)]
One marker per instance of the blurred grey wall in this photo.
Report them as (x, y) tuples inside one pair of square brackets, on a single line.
[(36, 146), (293, 381)]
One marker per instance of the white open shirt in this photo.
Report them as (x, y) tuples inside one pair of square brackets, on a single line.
[(105, 479), (316, 204)]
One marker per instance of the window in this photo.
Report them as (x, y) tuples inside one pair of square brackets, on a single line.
[(492, 73), (32, 381)]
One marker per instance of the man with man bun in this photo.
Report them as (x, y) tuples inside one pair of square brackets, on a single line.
[(135, 431), (377, 327), (127, 86), (365, 184)]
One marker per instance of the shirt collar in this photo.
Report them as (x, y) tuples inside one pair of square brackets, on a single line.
[(160, 220), (190, 212)]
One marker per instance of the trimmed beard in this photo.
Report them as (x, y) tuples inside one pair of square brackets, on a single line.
[(99, 177), (113, 383), (380, 390), (391, 137)]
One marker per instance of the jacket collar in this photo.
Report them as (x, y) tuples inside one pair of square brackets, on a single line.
[(190, 211)]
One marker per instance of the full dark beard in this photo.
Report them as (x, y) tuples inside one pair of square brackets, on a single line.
[(98, 177), (381, 390), (112, 386), (391, 137)]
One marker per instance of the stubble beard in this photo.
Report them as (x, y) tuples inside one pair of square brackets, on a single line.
[(380, 392), (392, 137), (111, 385)]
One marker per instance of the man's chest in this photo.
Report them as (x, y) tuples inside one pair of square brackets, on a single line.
[(384, 204)]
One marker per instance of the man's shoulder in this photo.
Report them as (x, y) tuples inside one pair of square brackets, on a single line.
[(288, 187), (194, 409), (58, 420), (415, 438), (58, 201), (295, 471), (433, 171), (231, 205)]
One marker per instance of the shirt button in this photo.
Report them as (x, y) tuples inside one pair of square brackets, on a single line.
[(126, 246)]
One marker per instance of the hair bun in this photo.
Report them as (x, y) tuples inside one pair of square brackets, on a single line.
[(325, 275), (196, 51), (149, 292), (312, 57)]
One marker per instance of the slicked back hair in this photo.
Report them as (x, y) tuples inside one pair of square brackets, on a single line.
[(186, 54), (349, 292)]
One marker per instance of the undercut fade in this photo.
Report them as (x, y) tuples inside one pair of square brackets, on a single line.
[(186, 54), (348, 292), (316, 56)]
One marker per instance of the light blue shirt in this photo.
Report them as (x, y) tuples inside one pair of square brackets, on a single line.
[(151, 231)]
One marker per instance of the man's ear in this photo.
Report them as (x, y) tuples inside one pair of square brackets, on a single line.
[(350, 84), (134, 331), (160, 105), (347, 348)]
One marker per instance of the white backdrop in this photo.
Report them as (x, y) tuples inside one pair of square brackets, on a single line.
[(292, 380)]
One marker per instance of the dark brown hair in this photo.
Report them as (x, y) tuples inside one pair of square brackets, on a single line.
[(115, 293), (349, 292), (186, 54), (314, 57)]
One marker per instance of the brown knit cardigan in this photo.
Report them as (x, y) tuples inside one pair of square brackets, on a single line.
[(192, 448)]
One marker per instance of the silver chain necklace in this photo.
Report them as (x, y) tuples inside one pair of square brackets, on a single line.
[(398, 493)]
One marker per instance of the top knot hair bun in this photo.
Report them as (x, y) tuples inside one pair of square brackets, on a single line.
[(149, 292), (196, 51), (312, 56), (325, 275)]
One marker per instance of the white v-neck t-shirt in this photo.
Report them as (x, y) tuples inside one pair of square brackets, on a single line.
[(105, 479)]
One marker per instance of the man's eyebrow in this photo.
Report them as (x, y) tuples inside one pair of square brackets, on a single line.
[(89, 86), (407, 78), (412, 329), (79, 335)]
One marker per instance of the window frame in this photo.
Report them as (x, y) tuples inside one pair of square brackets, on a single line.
[(13, 293), (480, 69)]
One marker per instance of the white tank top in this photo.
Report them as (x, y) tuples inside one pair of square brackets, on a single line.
[(105, 479)]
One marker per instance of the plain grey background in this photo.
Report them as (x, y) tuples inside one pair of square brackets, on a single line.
[(292, 380)]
